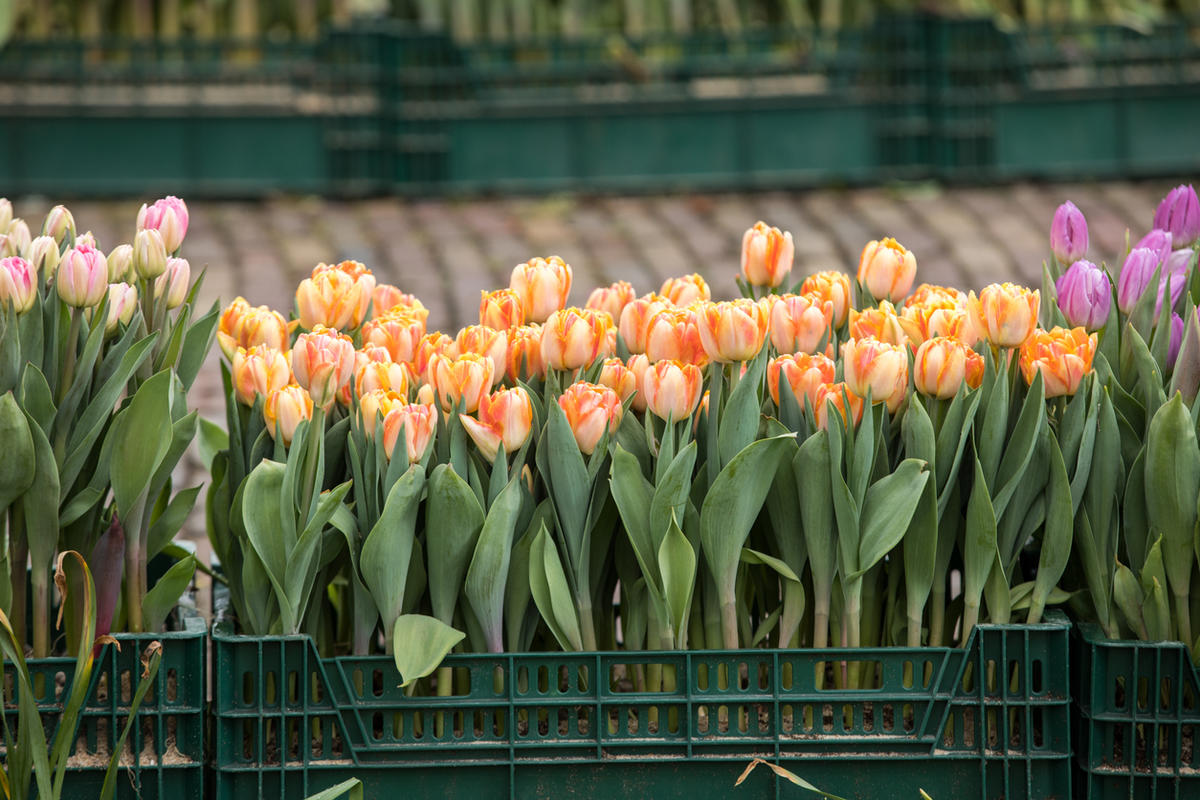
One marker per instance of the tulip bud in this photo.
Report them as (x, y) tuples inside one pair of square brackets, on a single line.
[(371, 376), (887, 269), (18, 238), (82, 277), (120, 262), (877, 369), (672, 389), (800, 323), (375, 405), (501, 309), (322, 363), (6, 214), (685, 290), (419, 423), (612, 299), (880, 323), (149, 254), (635, 320), (88, 238), (174, 283), (1175, 284), (1159, 241), (168, 216), (18, 284), (466, 378), (1084, 295), (122, 302), (543, 285), (1068, 234), (942, 364), (1005, 314), (336, 296), (504, 418), (399, 331), (618, 377), (1179, 213), (284, 410), (1062, 356), (59, 224), (838, 397), (833, 286), (803, 372), (674, 334), (385, 298), (486, 342), (1176, 340), (732, 331), (638, 364), (591, 411), (525, 352), (1136, 274), (574, 337), (767, 255), (936, 311), (258, 371)]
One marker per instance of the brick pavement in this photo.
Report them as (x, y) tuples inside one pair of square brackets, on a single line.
[(446, 251)]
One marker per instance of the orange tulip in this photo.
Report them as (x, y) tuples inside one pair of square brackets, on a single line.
[(467, 378), (942, 364), (799, 323), (1063, 357), (398, 330), (371, 376), (842, 400), (833, 286), (638, 365), (887, 269), (336, 296), (685, 290), (803, 372), (504, 418), (543, 285), (501, 309), (635, 320), (733, 330), (284, 409), (259, 370), (591, 410), (525, 353), (322, 363), (486, 342), (925, 321), (427, 347), (574, 337), (419, 423), (878, 368), (376, 405), (881, 323), (767, 255), (1004, 313), (386, 297), (674, 334), (612, 299), (941, 296), (672, 389), (243, 325), (618, 377)]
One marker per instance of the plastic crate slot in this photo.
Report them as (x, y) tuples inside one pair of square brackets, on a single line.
[(247, 689), (172, 685), (60, 685), (270, 696), (377, 682), (1037, 676), (127, 686), (249, 753), (909, 718), (1143, 693), (293, 688), (318, 691), (1037, 720), (787, 718)]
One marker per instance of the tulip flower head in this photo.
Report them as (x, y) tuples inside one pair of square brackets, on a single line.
[(82, 277), (120, 261), (371, 376), (385, 297), (428, 346), (685, 290), (44, 257), (887, 269), (837, 396), (674, 334), (1062, 356), (122, 303), (935, 311), (1084, 295), (803, 372), (618, 377), (634, 322), (1176, 340), (833, 286), (466, 379), (1136, 274), (149, 254), (258, 370), (876, 368), (1179, 214), (18, 283), (418, 421), (612, 299), (59, 224), (284, 410), (173, 284), (504, 419), (6, 214), (672, 389), (399, 331), (881, 323), (486, 342), (501, 309), (323, 363), (168, 216), (543, 285), (574, 337), (591, 411), (243, 325), (525, 352), (1159, 241), (336, 296), (733, 330), (800, 323), (1005, 314), (941, 366), (1068, 234), (767, 255), (638, 365)]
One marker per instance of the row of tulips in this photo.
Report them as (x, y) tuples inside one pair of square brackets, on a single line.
[(830, 460)]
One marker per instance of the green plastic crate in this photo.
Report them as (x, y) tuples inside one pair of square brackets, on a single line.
[(288, 722), (1137, 710), (165, 751)]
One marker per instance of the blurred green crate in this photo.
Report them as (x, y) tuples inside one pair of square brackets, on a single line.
[(989, 721), (164, 756), (1137, 713)]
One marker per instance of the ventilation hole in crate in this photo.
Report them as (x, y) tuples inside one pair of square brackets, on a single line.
[(992, 677), (1166, 748), (172, 685), (968, 722), (808, 719), (908, 717), (1119, 694), (1037, 676), (316, 740), (787, 677), (377, 725), (743, 676), (673, 721), (616, 676), (499, 682), (889, 717), (1038, 723), (564, 722), (293, 740), (1189, 696), (522, 680), (418, 725), (613, 721), (101, 688), (927, 674), (702, 677), (293, 688), (1187, 734), (851, 719), (377, 682), (827, 718), (543, 680), (722, 719), (337, 747), (358, 680), (633, 722), (909, 679), (868, 717), (764, 677), (458, 723), (248, 753), (764, 714), (271, 741), (948, 740), (543, 722), (582, 678), (968, 679), (172, 728), (1014, 678), (992, 733), (478, 729), (269, 694), (60, 685), (583, 722), (1165, 696), (317, 691), (1143, 693), (126, 686)]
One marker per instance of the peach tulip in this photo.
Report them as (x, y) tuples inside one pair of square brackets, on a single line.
[(833, 286), (419, 423), (803, 372), (504, 418), (399, 330), (733, 330), (799, 323), (767, 255), (591, 410), (1004, 313), (543, 285), (876, 368), (501, 309), (942, 364), (886, 268), (1063, 357), (618, 377), (841, 399), (322, 363), (672, 389), (574, 337), (466, 378), (685, 290), (284, 410), (634, 321), (258, 370), (486, 342)]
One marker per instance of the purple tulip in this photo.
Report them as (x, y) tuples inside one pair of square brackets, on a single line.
[(1179, 213), (1136, 274), (1176, 338), (1178, 262), (1068, 234), (1084, 295), (1177, 283), (1157, 240)]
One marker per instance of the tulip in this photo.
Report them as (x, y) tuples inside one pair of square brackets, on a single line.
[(486, 342), (122, 302), (685, 290), (1136, 274), (1159, 241), (1062, 356), (419, 423), (243, 325), (168, 216), (574, 337), (800, 323), (940, 296), (1084, 295), (803, 372), (635, 320), (501, 309), (638, 364), (672, 389), (612, 299), (1175, 284), (371, 376), (18, 283), (880, 322), (284, 409), (398, 330), (1068, 234), (149, 254), (466, 379), (428, 346), (591, 411), (732, 331), (1179, 262), (504, 419), (942, 364), (937, 315), (618, 377), (120, 261), (673, 334), (385, 297), (44, 256), (833, 286), (887, 269), (17, 240), (525, 353), (877, 369), (87, 238), (173, 284), (376, 405), (335, 296), (59, 223), (842, 400), (82, 277), (1179, 213), (1004, 313), (323, 362), (258, 371), (6, 214), (1176, 340), (543, 285), (767, 255)]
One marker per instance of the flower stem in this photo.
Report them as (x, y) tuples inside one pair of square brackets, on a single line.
[(71, 354), (309, 480)]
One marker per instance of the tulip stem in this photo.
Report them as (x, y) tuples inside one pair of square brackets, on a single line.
[(69, 357), (309, 478), (18, 557), (135, 568)]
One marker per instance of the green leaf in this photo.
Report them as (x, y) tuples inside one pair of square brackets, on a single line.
[(453, 519), (141, 436), (420, 643), (40, 503), (887, 511), (487, 574), (1172, 486), (1020, 446), (811, 467), (551, 594), (1057, 532), (213, 439), (567, 478), (196, 345), (352, 789), (264, 530), (388, 548), (979, 540), (671, 495), (633, 495), (1128, 596), (165, 594), (751, 556), (17, 466), (677, 560), (164, 527), (739, 421)]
